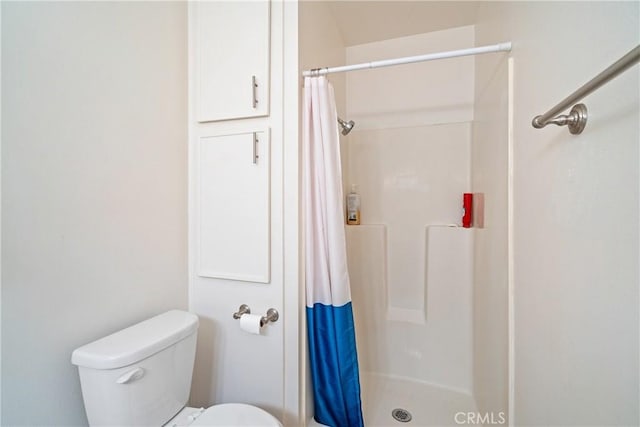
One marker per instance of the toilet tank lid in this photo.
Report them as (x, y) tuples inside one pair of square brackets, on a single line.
[(136, 342)]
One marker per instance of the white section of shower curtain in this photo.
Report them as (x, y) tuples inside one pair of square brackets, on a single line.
[(327, 277)]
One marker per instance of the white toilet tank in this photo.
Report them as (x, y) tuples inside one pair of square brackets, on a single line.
[(139, 376)]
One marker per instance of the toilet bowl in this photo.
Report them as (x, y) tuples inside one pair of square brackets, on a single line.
[(141, 376)]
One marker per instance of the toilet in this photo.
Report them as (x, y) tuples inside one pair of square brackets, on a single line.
[(141, 376)]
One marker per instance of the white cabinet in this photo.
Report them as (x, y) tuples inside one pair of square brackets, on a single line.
[(237, 228), (232, 40), (234, 206)]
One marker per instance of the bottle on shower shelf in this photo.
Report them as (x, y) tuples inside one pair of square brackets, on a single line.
[(353, 206), (467, 210)]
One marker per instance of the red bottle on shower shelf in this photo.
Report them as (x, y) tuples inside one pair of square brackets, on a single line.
[(467, 210)]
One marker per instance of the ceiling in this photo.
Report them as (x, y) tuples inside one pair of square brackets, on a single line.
[(365, 21)]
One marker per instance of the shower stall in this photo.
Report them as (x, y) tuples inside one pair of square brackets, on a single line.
[(430, 298)]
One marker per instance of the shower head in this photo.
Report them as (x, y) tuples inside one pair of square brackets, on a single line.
[(346, 126)]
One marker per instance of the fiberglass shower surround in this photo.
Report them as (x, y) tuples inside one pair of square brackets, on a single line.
[(445, 243)]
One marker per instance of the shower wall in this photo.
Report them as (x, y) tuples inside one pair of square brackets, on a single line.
[(489, 181), (410, 157), (424, 93)]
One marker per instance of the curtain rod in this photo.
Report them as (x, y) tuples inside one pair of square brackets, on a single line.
[(500, 47), (576, 120)]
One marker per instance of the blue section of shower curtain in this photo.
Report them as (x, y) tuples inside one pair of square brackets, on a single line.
[(334, 365)]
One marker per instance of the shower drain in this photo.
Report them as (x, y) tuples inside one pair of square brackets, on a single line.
[(401, 415)]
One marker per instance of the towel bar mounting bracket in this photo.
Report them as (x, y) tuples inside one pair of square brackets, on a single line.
[(576, 120)]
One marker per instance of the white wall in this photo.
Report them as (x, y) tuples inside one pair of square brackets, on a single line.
[(409, 154), (575, 213), (321, 45), (293, 305), (94, 188)]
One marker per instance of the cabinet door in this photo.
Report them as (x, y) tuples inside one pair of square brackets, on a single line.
[(234, 207), (232, 59)]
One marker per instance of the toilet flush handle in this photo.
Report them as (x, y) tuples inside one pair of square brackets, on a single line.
[(132, 375)]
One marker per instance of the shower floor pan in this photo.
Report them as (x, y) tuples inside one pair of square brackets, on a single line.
[(427, 405)]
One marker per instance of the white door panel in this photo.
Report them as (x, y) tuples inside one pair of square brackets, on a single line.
[(234, 207)]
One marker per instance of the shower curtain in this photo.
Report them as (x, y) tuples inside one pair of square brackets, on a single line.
[(330, 327)]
